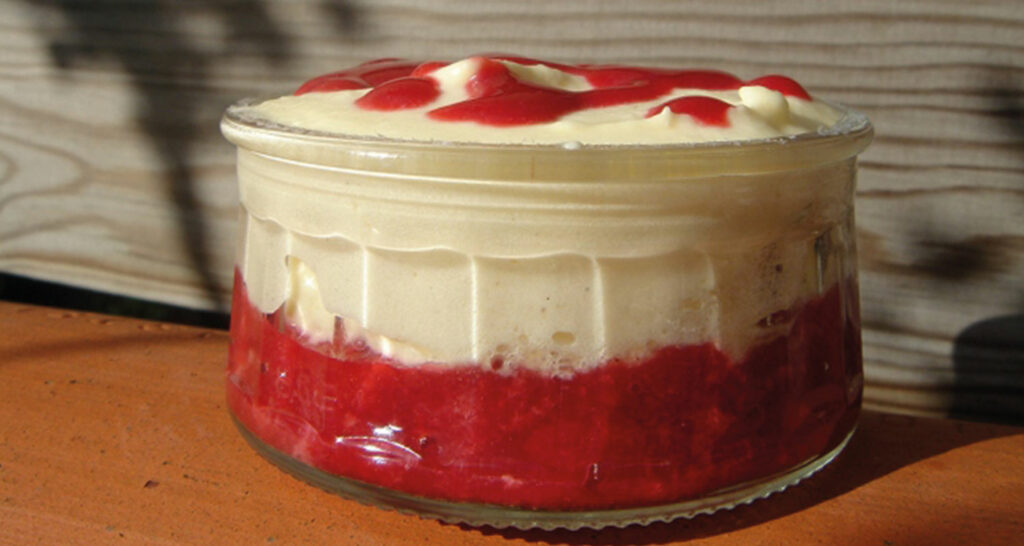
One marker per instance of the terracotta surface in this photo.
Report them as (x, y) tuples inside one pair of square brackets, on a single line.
[(114, 430)]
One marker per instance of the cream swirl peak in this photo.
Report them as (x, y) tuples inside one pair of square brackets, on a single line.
[(515, 100)]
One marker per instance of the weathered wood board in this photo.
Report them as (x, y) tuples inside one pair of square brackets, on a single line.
[(113, 175)]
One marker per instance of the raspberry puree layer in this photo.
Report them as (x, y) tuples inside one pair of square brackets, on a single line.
[(678, 424), (517, 100)]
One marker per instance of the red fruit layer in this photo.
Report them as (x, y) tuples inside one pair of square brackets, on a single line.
[(682, 423)]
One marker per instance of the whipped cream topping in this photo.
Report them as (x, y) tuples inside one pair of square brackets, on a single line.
[(511, 100)]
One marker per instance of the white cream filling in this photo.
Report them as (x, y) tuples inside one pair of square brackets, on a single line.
[(601, 297)]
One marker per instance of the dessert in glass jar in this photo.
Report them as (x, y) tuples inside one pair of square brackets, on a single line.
[(513, 292)]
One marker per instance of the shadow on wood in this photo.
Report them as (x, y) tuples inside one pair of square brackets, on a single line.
[(167, 67), (988, 360), (988, 355)]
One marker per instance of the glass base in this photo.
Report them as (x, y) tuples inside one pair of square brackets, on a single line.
[(504, 517)]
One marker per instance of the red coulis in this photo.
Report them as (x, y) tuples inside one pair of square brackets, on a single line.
[(498, 98), (684, 422)]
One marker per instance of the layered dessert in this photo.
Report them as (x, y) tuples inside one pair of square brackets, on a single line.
[(504, 283)]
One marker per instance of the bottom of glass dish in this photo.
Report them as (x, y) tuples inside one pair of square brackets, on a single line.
[(504, 517)]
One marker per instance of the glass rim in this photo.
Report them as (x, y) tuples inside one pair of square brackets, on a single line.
[(849, 136)]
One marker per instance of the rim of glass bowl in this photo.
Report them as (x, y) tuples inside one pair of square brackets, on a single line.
[(563, 162)]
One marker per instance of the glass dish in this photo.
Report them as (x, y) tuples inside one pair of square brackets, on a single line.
[(546, 336)]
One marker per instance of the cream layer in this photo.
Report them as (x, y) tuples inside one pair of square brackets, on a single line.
[(557, 289)]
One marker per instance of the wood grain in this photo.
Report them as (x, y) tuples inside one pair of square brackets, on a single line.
[(113, 175), (115, 429)]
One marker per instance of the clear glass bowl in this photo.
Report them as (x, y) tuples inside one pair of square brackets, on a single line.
[(546, 336)]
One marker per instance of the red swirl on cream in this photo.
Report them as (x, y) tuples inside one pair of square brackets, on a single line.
[(497, 97)]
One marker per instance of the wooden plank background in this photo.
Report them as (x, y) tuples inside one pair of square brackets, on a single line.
[(113, 175)]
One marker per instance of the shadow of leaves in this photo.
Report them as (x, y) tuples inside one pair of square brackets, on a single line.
[(168, 66)]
